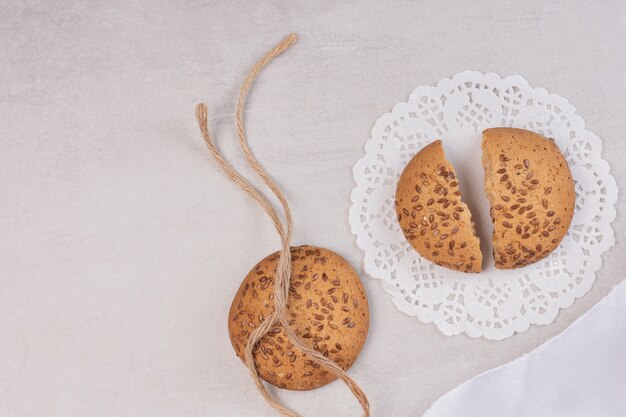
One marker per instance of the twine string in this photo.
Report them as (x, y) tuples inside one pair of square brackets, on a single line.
[(283, 268)]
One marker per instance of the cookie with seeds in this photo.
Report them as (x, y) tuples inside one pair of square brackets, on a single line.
[(531, 191), (327, 308), (431, 214)]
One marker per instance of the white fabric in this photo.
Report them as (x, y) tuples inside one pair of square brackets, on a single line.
[(579, 373), (494, 304)]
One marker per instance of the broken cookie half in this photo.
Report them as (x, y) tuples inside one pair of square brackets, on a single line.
[(432, 215), (531, 191)]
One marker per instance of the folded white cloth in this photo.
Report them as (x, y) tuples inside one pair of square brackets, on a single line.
[(579, 373)]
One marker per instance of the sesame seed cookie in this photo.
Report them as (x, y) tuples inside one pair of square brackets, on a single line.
[(431, 214), (327, 308), (531, 191)]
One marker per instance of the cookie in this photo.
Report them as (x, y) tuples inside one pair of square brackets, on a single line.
[(431, 214), (327, 308), (531, 191)]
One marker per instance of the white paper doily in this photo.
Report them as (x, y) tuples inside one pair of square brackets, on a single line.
[(495, 303)]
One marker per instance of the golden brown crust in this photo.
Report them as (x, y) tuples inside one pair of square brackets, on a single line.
[(531, 191), (327, 308), (431, 214)]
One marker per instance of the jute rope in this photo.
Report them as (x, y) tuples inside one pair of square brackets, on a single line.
[(283, 269)]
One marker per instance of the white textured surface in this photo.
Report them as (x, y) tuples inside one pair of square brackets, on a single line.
[(495, 303), (122, 244)]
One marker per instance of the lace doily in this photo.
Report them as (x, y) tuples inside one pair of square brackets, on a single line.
[(495, 303)]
